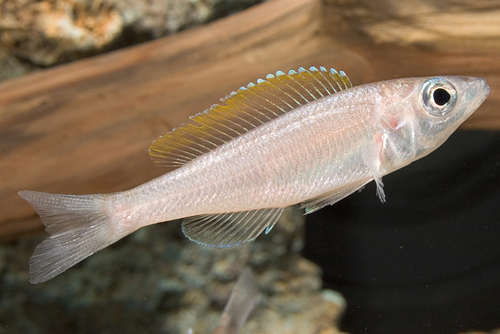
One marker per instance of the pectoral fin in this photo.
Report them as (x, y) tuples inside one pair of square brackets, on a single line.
[(372, 158)]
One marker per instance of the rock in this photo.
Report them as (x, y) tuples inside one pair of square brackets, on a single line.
[(45, 33), (11, 66), (158, 281), (49, 32)]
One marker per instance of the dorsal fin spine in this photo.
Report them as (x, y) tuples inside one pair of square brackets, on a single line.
[(345, 80), (179, 155), (240, 118), (278, 97), (226, 110), (283, 92), (244, 110), (265, 99), (329, 81), (294, 89), (200, 131), (178, 161), (323, 70), (307, 90), (205, 136), (287, 94), (210, 124), (259, 103), (180, 147), (315, 70), (328, 76), (337, 78), (340, 74), (193, 130), (309, 77), (190, 130), (235, 127), (181, 142), (231, 103), (316, 88), (213, 118)]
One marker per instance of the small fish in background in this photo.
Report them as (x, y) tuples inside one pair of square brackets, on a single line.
[(305, 136), (242, 300), (240, 304)]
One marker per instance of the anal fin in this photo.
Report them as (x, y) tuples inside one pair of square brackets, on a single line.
[(332, 197), (230, 228)]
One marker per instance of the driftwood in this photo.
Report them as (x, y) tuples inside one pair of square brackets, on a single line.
[(85, 127)]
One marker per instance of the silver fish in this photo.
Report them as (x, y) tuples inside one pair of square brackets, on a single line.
[(241, 303), (305, 136)]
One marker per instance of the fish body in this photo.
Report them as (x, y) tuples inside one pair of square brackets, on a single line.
[(304, 137)]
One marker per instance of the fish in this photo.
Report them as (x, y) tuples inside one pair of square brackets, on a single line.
[(242, 300), (303, 137)]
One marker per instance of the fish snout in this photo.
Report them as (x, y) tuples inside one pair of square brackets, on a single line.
[(477, 90), (483, 87)]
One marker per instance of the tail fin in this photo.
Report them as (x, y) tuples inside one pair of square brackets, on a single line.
[(78, 226)]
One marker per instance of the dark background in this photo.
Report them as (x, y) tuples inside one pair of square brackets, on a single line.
[(428, 260)]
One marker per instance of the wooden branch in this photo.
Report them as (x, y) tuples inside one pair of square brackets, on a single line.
[(85, 127)]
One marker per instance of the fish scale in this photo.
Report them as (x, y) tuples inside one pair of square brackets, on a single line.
[(303, 137)]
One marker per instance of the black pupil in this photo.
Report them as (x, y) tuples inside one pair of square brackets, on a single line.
[(441, 96)]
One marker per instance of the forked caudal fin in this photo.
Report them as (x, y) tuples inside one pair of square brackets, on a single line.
[(78, 226)]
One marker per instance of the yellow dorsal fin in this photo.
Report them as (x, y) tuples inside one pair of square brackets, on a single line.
[(244, 110)]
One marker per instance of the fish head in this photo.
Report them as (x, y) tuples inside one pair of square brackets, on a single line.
[(441, 105)]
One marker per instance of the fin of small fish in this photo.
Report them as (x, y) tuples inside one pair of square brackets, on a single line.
[(241, 302), (331, 198), (244, 110), (230, 229)]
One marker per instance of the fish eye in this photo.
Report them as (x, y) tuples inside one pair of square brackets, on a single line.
[(441, 96), (438, 96)]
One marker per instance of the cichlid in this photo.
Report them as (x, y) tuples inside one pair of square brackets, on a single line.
[(241, 303), (242, 300), (305, 136)]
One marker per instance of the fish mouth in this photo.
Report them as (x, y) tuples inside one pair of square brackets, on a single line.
[(485, 88), (482, 88), (477, 91)]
